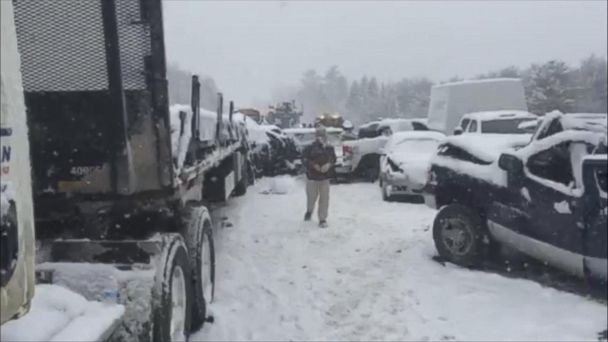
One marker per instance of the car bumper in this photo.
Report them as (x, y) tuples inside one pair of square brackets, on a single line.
[(399, 185)]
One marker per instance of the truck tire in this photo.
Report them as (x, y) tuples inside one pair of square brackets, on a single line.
[(458, 233), (172, 300), (198, 234)]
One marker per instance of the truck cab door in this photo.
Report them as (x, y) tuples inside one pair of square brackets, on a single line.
[(555, 224), (595, 211)]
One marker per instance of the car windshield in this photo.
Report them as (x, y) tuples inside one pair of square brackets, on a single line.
[(504, 126), (159, 179)]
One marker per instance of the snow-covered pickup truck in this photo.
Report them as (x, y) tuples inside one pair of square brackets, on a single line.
[(361, 157), (546, 198)]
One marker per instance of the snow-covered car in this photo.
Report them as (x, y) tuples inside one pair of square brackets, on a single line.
[(361, 157), (272, 152), (546, 199), (405, 162), (495, 122)]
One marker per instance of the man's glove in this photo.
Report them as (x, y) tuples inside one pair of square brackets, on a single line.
[(322, 168)]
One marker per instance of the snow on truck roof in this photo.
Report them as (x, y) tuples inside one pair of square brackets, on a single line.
[(474, 82), (500, 115)]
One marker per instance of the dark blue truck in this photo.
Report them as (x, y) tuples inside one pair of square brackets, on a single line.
[(546, 199)]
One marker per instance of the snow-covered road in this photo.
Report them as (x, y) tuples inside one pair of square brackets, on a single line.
[(369, 276)]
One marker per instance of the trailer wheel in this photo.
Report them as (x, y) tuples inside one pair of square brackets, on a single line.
[(172, 307), (458, 233), (199, 239)]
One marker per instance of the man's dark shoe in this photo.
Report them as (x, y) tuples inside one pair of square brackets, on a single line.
[(307, 216), (323, 224)]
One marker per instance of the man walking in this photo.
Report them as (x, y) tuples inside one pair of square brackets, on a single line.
[(319, 159)]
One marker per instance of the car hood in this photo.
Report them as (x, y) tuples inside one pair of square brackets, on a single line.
[(414, 165)]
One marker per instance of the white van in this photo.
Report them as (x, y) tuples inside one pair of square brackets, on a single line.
[(450, 101)]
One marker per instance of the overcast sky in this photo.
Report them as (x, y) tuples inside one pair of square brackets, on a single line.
[(252, 48)]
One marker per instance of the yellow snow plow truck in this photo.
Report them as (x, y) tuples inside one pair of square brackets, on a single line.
[(330, 120)]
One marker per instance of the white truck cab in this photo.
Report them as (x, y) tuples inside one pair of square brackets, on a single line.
[(450, 101), (494, 122)]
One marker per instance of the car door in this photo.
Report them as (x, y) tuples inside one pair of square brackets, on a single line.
[(553, 223), (595, 212)]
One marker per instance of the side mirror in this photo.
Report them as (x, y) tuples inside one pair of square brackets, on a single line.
[(457, 131), (510, 163), (514, 167)]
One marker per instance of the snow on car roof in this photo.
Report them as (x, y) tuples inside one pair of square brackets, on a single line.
[(488, 147), (500, 115), (488, 80)]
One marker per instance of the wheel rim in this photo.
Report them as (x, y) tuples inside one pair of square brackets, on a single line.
[(456, 236), (178, 305), (206, 284)]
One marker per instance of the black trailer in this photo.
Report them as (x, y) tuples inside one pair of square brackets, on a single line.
[(110, 189)]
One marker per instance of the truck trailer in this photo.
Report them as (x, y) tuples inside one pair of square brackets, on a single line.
[(118, 194), (450, 101)]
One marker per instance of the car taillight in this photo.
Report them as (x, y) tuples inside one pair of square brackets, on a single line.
[(347, 150)]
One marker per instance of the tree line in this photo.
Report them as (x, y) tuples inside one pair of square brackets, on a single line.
[(553, 85)]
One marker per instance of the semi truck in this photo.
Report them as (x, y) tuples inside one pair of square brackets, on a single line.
[(121, 185)]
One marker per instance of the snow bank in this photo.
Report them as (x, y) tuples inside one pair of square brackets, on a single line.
[(58, 314)]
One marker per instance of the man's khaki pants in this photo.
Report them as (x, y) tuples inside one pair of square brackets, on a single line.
[(320, 189)]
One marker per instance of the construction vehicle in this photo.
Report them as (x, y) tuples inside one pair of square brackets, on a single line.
[(284, 115), (117, 193), (330, 120), (253, 114)]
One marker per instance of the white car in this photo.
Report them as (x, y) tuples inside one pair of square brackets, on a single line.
[(495, 122), (405, 162)]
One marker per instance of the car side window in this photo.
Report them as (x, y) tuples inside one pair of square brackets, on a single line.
[(553, 164), (464, 123), (473, 126)]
